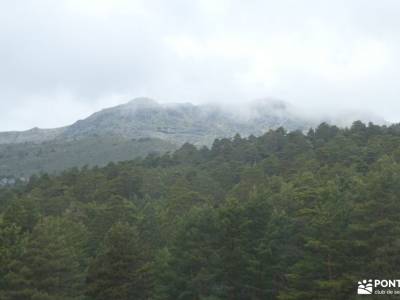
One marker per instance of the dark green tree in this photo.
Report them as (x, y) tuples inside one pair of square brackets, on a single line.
[(52, 265), (121, 269)]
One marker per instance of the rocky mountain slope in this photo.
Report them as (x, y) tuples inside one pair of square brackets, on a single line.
[(177, 122), (137, 128), (32, 135)]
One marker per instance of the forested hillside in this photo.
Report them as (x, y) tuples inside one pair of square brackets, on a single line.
[(23, 160), (285, 215)]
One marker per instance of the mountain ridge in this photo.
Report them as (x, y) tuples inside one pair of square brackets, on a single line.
[(137, 128), (186, 122)]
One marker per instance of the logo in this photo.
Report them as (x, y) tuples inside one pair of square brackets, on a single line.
[(365, 287), (378, 287)]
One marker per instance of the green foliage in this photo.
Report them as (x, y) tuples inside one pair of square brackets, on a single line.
[(285, 215), (52, 264), (119, 271)]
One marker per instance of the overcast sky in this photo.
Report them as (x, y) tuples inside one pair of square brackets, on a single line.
[(62, 60)]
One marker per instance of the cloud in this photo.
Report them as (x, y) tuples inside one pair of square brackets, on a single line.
[(61, 60)]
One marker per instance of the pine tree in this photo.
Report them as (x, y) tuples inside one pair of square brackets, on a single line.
[(376, 225), (191, 268), (12, 244), (53, 264), (120, 270), (324, 268)]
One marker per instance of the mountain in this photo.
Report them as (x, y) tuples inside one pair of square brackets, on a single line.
[(176, 122), (137, 128)]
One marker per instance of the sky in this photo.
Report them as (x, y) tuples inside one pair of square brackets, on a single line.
[(63, 60)]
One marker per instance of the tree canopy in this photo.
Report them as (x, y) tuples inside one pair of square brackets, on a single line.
[(287, 215)]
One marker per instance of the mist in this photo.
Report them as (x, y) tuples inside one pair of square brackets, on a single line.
[(63, 60)]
